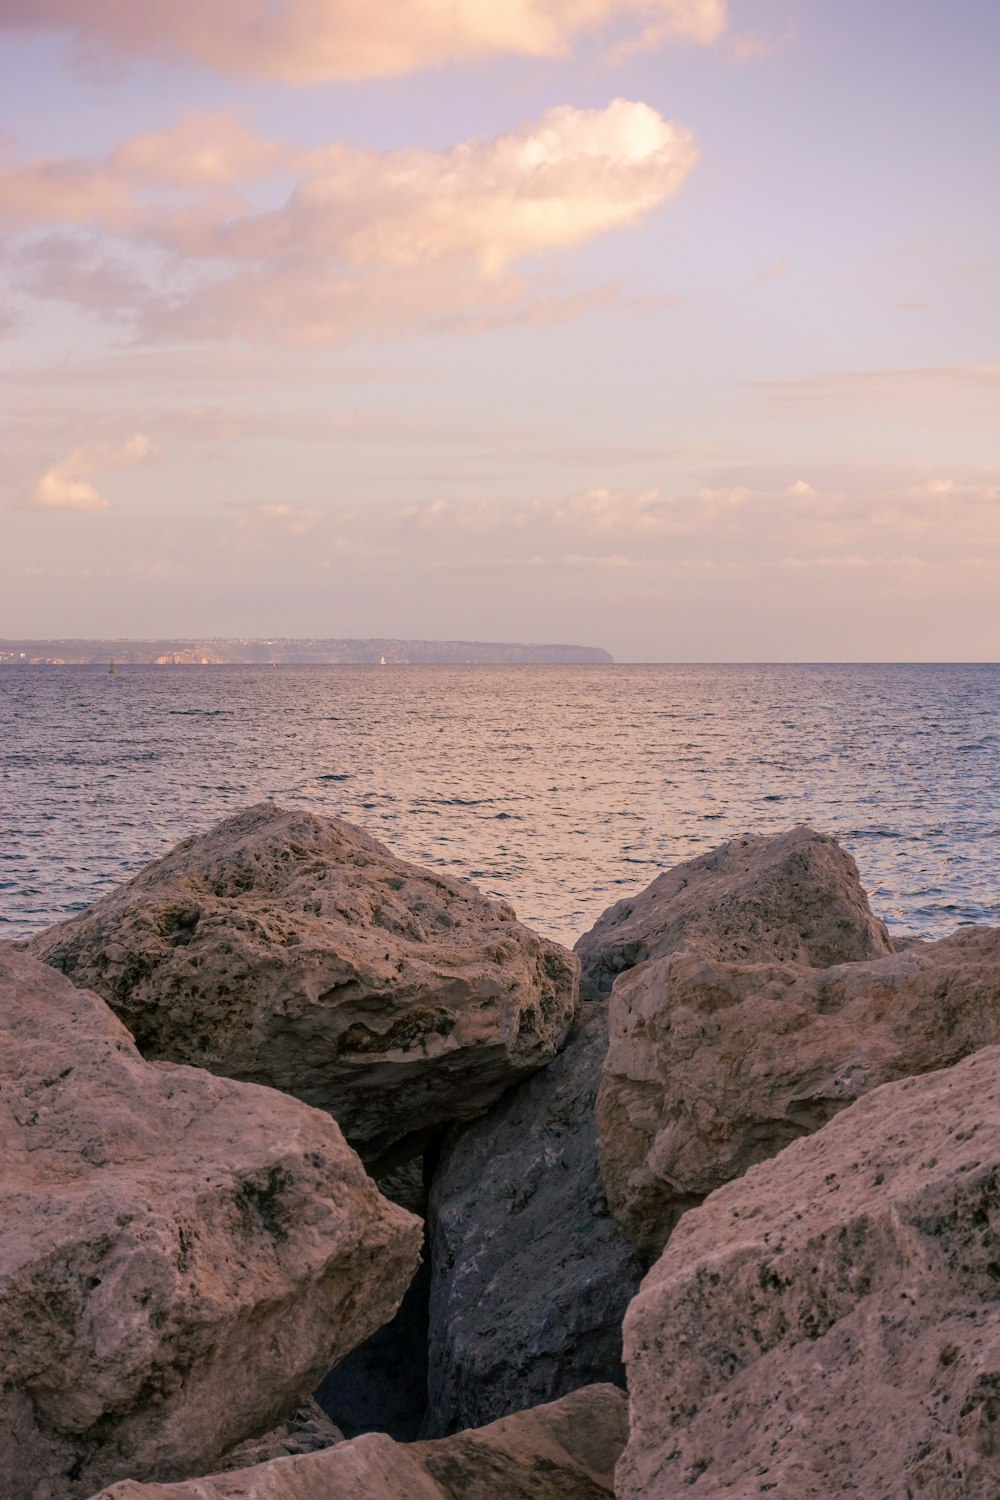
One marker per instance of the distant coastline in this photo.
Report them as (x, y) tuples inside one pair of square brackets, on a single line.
[(237, 651)]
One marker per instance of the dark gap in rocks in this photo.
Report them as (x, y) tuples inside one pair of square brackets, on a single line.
[(382, 1385)]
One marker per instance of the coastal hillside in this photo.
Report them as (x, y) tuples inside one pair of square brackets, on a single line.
[(238, 651)]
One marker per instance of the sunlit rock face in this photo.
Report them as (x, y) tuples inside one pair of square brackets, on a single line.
[(712, 1066), (563, 1451), (830, 1323), (793, 897), (530, 1274), (181, 1256), (295, 951)]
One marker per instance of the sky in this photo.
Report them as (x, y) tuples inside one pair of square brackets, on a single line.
[(668, 326)]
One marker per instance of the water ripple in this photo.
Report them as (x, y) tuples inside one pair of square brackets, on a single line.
[(556, 788)]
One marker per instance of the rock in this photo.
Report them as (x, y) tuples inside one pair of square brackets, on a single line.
[(792, 896), (714, 1066), (830, 1323), (565, 1451), (308, 1430), (530, 1275), (181, 1256), (293, 950)]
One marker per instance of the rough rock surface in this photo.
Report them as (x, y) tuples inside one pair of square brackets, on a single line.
[(293, 950), (530, 1274), (307, 1430), (181, 1256), (791, 896), (712, 1067), (829, 1324), (564, 1451)]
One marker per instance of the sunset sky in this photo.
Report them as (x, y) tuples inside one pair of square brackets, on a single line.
[(670, 326)]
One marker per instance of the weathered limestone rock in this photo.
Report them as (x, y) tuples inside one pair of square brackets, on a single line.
[(564, 1451), (307, 1430), (181, 1256), (712, 1067), (829, 1324), (293, 950), (792, 897), (530, 1274)]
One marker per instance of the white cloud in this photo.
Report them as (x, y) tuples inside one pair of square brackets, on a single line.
[(310, 41), (68, 483)]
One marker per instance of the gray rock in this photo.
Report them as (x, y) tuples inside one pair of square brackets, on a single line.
[(829, 1324), (792, 897), (564, 1451), (181, 1256), (530, 1274), (295, 951)]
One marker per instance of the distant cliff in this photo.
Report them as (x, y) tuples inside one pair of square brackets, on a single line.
[(222, 652)]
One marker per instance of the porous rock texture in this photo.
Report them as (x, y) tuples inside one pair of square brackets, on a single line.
[(293, 950), (563, 1451), (530, 1274), (793, 897), (181, 1256), (714, 1066), (829, 1324)]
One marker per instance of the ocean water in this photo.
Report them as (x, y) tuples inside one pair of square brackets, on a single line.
[(559, 789)]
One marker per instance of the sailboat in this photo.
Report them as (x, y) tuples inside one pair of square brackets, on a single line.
[(112, 670)]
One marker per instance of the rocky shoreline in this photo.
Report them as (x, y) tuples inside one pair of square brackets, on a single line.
[(326, 1177)]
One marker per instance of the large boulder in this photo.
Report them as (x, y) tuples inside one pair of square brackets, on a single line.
[(181, 1256), (829, 1324), (792, 896), (530, 1274), (295, 951), (565, 1451), (712, 1067)]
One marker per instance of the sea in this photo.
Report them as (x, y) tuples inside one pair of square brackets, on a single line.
[(559, 789)]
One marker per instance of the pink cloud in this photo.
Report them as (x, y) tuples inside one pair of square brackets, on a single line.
[(208, 149), (323, 266), (768, 273), (68, 483), (309, 41)]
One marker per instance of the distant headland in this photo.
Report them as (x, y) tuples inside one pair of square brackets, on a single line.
[(237, 650)]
